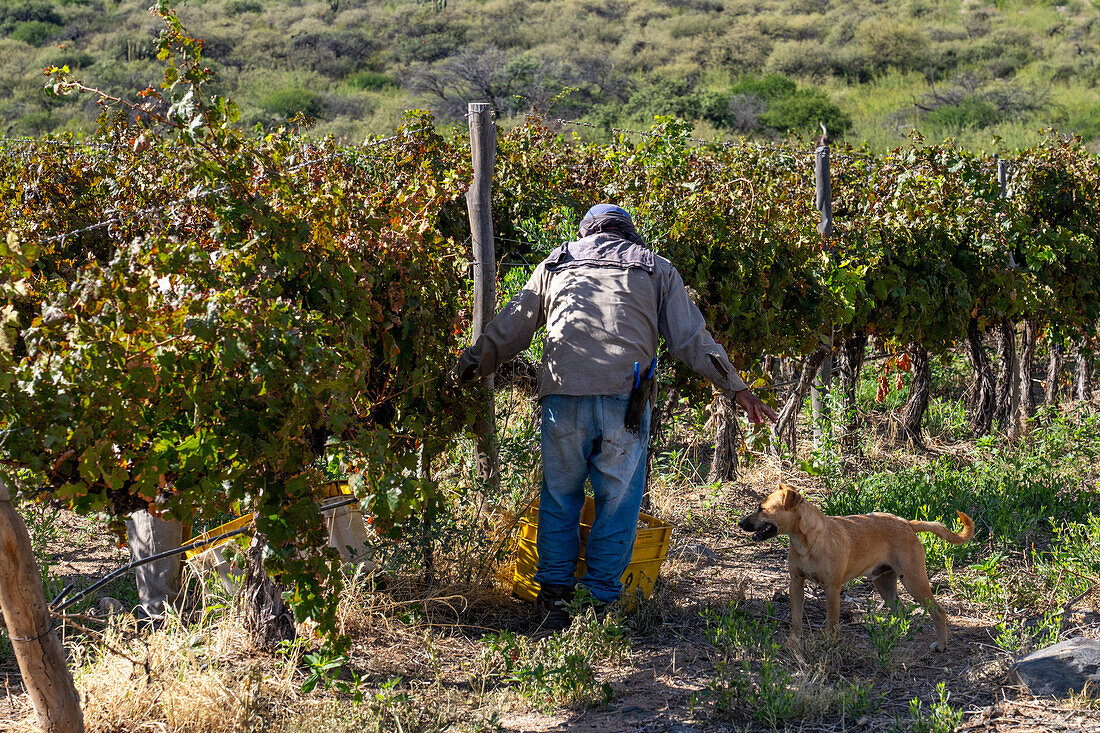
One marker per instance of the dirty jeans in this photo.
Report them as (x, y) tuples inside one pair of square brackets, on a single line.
[(584, 438)]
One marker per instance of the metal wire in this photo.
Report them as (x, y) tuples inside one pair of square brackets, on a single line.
[(832, 372), (189, 545), (174, 205)]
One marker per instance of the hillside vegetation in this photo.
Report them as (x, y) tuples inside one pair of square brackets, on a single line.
[(759, 68)]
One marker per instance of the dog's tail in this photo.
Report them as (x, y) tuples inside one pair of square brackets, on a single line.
[(943, 532)]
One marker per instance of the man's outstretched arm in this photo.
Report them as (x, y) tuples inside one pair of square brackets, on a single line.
[(509, 333), (684, 330)]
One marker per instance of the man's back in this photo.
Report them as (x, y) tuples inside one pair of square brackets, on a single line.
[(604, 299)]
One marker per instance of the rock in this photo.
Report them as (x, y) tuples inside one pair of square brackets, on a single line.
[(1060, 670), (110, 606), (692, 552)]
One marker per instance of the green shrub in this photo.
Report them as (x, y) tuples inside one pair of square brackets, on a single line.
[(887, 44), (769, 87), (801, 58), (804, 111), (850, 64), (69, 57), (35, 32), (13, 14), (1010, 493), (746, 48), (285, 103), (1084, 122), (35, 123), (969, 113), (1007, 50), (369, 81), (663, 96), (239, 7), (713, 106), (942, 58)]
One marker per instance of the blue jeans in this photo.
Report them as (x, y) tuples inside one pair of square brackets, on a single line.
[(584, 438)]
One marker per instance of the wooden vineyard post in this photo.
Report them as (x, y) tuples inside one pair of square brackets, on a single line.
[(483, 150), (37, 646), (1008, 388), (823, 199), (1082, 381), (1018, 371)]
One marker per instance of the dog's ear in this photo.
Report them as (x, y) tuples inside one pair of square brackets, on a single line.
[(791, 499)]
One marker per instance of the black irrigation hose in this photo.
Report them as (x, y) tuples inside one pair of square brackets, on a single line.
[(160, 556)]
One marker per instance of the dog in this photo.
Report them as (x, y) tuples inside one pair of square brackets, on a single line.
[(830, 551)]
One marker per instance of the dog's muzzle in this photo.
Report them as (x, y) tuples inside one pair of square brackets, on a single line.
[(760, 530)]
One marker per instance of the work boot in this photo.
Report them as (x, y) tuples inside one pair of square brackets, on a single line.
[(550, 605)]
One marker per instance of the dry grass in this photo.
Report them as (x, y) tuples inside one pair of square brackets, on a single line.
[(180, 679), (196, 679)]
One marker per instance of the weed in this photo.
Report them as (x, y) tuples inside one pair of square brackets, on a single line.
[(1017, 636), (1009, 490), (324, 670), (855, 700), (750, 680), (388, 704), (775, 700), (984, 583), (558, 669), (940, 718), (1071, 565), (736, 629), (889, 627)]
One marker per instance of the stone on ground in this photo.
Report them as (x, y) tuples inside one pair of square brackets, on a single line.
[(1061, 670)]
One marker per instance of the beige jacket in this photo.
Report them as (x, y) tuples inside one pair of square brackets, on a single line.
[(604, 301)]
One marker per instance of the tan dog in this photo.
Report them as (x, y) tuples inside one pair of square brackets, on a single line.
[(832, 550)]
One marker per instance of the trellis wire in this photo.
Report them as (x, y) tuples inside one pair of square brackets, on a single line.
[(189, 545), (174, 205)]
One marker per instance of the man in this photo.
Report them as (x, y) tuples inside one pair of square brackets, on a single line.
[(604, 300)]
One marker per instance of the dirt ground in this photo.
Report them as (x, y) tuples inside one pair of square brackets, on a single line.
[(669, 658), (81, 550)]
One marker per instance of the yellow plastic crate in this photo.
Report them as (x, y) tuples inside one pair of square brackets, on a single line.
[(334, 489), (650, 548), (204, 554), (199, 544)]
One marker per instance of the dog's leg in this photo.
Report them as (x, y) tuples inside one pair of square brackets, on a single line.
[(886, 584), (798, 597), (916, 582), (832, 607)]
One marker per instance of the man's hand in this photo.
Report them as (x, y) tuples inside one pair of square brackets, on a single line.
[(462, 373), (754, 408)]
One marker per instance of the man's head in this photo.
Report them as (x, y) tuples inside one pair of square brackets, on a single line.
[(605, 209), (611, 219)]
